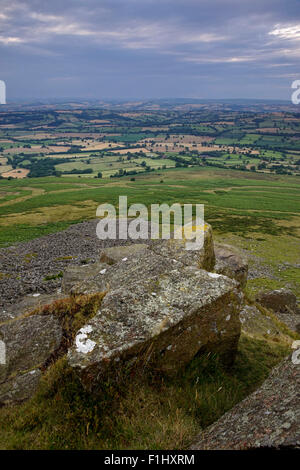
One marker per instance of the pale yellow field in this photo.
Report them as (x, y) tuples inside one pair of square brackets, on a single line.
[(18, 173)]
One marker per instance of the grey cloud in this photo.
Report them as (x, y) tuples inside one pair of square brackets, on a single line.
[(125, 41)]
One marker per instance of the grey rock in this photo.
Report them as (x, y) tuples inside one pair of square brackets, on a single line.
[(27, 305), (131, 271), (24, 266), (20, 388), (163, 320), (256, 324), (203, 258), (269, 417), (115, 254), (75, 274), (231, 263), (29, 342)]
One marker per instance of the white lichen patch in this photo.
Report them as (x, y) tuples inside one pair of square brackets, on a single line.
[(214, 275), (228, 317), (103, 271), (83, 344)]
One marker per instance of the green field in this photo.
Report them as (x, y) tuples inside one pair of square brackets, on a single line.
[(253, 204)]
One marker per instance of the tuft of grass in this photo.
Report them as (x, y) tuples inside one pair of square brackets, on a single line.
[(52, 277), (137, 411), (258, 284), (64, 258)]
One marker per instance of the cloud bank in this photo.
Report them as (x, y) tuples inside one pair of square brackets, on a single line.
[(149, 48)]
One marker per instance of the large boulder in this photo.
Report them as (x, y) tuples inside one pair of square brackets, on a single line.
[(203, 258), (29, 342), (163, 316), (231, 263), (268, 418), (279, 300)]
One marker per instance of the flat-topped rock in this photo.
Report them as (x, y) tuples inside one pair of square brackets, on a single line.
[(29, 342), (131, 270), (268, 418), (231, 263), (163, 321)]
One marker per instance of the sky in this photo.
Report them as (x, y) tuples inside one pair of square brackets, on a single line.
[(143, 49)]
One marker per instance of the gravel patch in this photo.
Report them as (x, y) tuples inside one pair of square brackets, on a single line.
[(36, 266)]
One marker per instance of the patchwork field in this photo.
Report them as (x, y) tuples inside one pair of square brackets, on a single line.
[(85, 141)]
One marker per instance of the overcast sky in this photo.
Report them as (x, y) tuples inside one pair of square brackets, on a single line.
[(149, 48)]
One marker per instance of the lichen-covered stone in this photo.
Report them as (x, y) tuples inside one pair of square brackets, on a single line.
[(162, 320), (279, 300), (115, 254), (29, 342), (129, 271), (268, 418), (77, 273), (27, 305), (20, 388), (203, 258), (231, 263), (259, 325)]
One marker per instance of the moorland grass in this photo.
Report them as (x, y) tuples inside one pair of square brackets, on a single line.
[(136, 412)]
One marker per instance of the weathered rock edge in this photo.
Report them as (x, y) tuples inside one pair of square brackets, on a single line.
[(29, 341), (268, 418)]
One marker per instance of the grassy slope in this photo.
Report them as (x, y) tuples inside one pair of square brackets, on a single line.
[(259, 213), (140, 412)]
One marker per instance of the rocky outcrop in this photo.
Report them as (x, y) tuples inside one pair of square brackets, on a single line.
[(279, 300), (29, 342), (203, 258), (231, 263), (268, 418), (161, 308)]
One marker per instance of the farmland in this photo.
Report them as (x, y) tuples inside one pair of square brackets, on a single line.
[(106, 143), (57, 165)]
